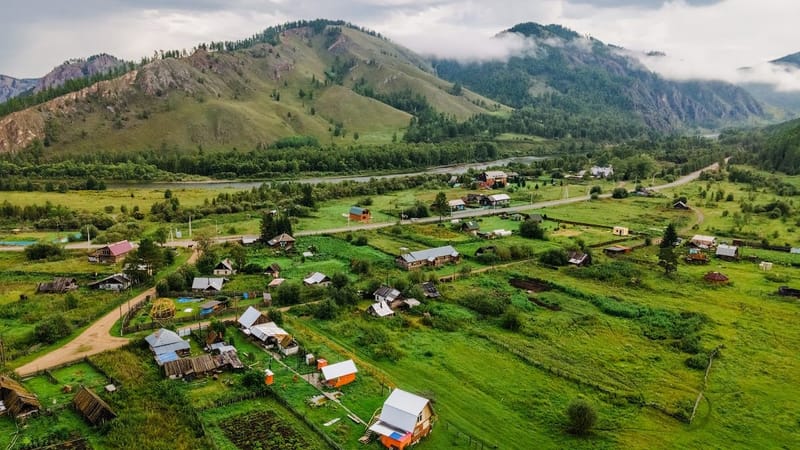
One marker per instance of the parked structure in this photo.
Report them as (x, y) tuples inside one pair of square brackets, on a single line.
[(224, 267), (358, 214), (117, 282), (339, 374), (59, 285), (433, 257), (404, 419), (112, 253)]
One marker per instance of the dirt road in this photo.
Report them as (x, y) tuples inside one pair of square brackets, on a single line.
[(95, 339)]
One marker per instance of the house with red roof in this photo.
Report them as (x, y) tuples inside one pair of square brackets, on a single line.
[(111, 253)]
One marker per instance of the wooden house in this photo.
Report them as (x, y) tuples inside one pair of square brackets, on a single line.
[(317, 279), (16, 400), (205, 284), (615, 250), (702, 241), (456, 205), (251, 317), (475, 199), (282, 242), (167, 345), (224, 267), (387, 294), (727, 252), (404, 419), (620, 231), (117, 282), (202, 365), (88, 404), (470, 227), (498, 200), (429, 289), (493, 179), (432, 257), (339, 374), (680, 204), (695, 256), (358, 214), (112, 253), (59, 285), (273, 270), (577, 258)]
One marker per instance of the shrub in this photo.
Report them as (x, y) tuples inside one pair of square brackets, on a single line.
[(531, 229), (698, 361), (360, 241), (52, 329), (619, 192), (275, 315), (288, 294), (43, 250), (511, 320), (252, 269), (554, 257), (596, 190), (581, 417)]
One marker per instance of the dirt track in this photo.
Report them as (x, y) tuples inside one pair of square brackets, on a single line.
[(95, 339)]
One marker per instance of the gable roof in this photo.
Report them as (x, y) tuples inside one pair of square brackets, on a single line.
[(700, 238), (210, 304), (16, 398), (494, 174), (387, 292), (92, 407), (401, 410), (250, 317), (225, 264), (265, 330), (456, 202), (576, 257), (276, 282), (272, 268), (117, 278), (339, 369), (283, 237), (357, 210), (471, 226), (59, 284), (247, 240), (430, 254), (381, 309), (499, 197), (120, 248), (727, 250), (165, 341), (315, 278), (203, 283)]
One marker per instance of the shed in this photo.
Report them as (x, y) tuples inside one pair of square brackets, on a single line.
[(59, 285), (339, 374), (316, 278), (703, 241), (92, 407), (620, 231), (470, 227), (680, 204), (404, 419), (276, 282), (206, 284), (273, 270), (380, 309), (359, 214), (727, 252), (210, 306), (429, 289), (456, 205), (249, 240), (615, 250), (386, 294), (765, 266), (224, 267), (17, 400), (577, 258)]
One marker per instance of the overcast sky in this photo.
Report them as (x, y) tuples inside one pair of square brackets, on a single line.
[(702, 38)]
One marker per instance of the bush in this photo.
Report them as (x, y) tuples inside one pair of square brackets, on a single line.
[(619, 192), (360, 241), (698, 361), (554, 257), (162, 288), (581, 417), (43, 250), (275, 315), (531, 229), (288, 294), (596, 190), (252, 269), (52, 329), (511, 320)]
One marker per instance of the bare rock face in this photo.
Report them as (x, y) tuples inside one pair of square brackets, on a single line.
[(11, 87), (78, 68)]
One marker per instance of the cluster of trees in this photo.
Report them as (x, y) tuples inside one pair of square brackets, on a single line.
[(273, 225)]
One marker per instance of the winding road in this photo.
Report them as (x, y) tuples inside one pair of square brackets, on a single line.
[(97, 338)]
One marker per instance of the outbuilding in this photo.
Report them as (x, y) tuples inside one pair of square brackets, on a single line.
[(339, 374)]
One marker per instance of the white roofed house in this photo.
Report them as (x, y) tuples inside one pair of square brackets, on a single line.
[(339, 374), (456, 205), (271, 334), (434, 257), (116, 282), (727, 252), (207, 284), (317, 278), (405, 419), (167, 345), (380, 309), (498, 200), (251, 317)]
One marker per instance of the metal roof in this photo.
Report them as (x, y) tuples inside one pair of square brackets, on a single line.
[(339, 369), (265, 330), (225, 264), (281, 238), (494, 174), (166, 357), (727, 250), (203, 283), (456, 202), (249, 317), (210, 304), (498, 197), (162, 337), (387, 292), (120, 248), (430, 254), (357, 210), (315, 278), (401, 410), (381, 309)]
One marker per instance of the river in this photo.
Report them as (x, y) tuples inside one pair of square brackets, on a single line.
[(454, 169)]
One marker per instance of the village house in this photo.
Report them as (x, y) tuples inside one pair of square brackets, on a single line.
[(117, 282), (680, 204), (210, 307), (387, 294), (620, 231), (456, 205), (317, 279), (615, 250), (205, 284), (493, 179), (404, 419), (429, 290), (339, 374), (474, 199), (470, 227), (283, 242), (498, 200), (601, 172), (577, 258), (432, 257), (16, 400), (272, 335), (224, 267), (89, 405), (727, 252), (249, 240), (167, 345), (251, 317), (273, 270), (702, 241), (112, 253), (358, 214), (59, 285)]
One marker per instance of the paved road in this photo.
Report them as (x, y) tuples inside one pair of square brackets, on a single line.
[(95, 339)]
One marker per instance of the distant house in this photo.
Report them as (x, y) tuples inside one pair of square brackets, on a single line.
[(475, 199), (249, 240), (202, 365), (339, 374), (273, 270), (498, 200), (433, 257), (387, 294), (715, 277), (251, 317), (117, 282), (429, 289), (224, 267), (92, 407), (112, 253), (59, 285), (680, 204), (404, 419), (577, 258), (17, 401), (317, 278), (615, 250), (380, 309), (210, 306), (702, 241), (470, 227), (537, 218), (276, 282), (283, 242), (271, 334), (727, 252), (620, 231), (695, 256), (493, 178), (204, 284), (358, 214), (456, 205), (601, 172), (167, 345)]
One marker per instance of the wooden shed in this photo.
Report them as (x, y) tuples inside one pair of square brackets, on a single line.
[(92, 407), (339, 374), (17, 400)]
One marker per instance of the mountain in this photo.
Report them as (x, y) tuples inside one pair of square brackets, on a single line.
[(11, 87), (786, 67), (789, 60), (324, 79), (76, 68), (560, 70)]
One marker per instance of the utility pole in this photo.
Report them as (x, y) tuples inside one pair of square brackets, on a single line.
[(88, 237), (190, 226)]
